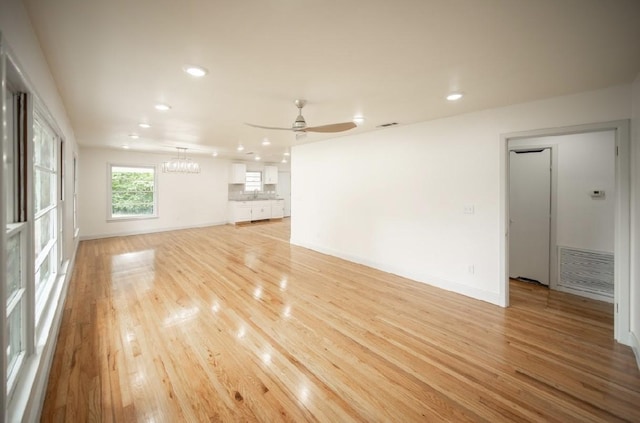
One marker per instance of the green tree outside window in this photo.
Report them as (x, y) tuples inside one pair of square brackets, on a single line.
[(132, 191)]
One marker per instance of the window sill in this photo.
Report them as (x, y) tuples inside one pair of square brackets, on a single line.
[(126, 218)]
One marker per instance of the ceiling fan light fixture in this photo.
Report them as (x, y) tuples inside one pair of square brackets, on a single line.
[(299, 124), (454, 96), (195, 71), (300, 127)]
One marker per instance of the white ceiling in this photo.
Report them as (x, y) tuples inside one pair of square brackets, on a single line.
[(391, 61)]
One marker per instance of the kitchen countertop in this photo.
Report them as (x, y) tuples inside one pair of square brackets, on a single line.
[(257, 199)]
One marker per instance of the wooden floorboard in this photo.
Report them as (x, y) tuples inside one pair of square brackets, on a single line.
[(234, 324)]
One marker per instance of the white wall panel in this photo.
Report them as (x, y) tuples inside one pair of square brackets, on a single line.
[(394, 198), (586, 162), (184, 200)]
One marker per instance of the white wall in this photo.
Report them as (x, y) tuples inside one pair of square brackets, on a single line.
[(257, 166), (585, 162), (185, 200), (394, 198), (635, 220), (18, 35), (24, 46)]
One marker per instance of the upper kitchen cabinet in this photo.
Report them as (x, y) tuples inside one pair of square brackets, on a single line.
[(237, 173), (271, 175)]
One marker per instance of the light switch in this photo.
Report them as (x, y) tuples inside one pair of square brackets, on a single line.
[(469, 209)]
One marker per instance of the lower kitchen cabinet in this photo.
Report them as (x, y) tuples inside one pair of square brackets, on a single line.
[(277, 209), (261, 210), (239, 211), (248, 211)]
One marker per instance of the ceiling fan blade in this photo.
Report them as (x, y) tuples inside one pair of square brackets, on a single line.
[(335, 127), (268, 127)]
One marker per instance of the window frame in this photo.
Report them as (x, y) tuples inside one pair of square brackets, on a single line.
[(76, 227), (51, 252), (246, 182), (110, 216), (18, 299)]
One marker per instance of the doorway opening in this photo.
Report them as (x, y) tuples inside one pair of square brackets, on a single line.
[(566, 213)]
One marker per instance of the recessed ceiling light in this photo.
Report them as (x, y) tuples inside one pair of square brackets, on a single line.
[(257, 158), (358, 120), (284, 160), (162, 107), (454, 96), (126, 147), (134, 136), (215, 154), (240, 147), (287, 153), (144, 125), (266, 141), (197, 71)]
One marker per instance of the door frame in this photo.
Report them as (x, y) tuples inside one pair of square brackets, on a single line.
[(622, 228), (553, 190)]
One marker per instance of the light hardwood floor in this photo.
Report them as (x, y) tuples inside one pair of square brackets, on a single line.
[(235, 324)]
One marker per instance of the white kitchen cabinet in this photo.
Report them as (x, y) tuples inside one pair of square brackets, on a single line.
[(237, 173), (240, 211), (270, 175), (277, 209), (261, 210), (248, 211)]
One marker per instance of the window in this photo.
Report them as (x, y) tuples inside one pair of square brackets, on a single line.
[(132, 192), (76, 230), (253, 181), (45, 187), (15, 286), (16, 233)]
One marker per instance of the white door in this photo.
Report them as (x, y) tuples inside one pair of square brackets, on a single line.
[(529, 214), (284, 191)]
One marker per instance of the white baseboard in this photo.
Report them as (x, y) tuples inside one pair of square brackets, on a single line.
[(635, 346), (586, 294), (469, 291), (150, 231)]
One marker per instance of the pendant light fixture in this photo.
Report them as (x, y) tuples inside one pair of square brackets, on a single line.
[(181, 164)]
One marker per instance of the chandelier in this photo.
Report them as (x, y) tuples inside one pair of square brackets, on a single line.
[(181, 164)]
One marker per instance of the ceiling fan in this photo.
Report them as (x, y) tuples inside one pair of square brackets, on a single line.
[(300, 125)]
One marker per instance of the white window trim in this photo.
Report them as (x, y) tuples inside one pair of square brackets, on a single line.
[(19, 229), (155, 214), (261, 181), (76, 224)]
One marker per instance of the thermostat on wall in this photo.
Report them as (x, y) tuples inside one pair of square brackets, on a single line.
[(597, 193)]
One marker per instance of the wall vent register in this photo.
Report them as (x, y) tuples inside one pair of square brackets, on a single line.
[(585, 270)]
